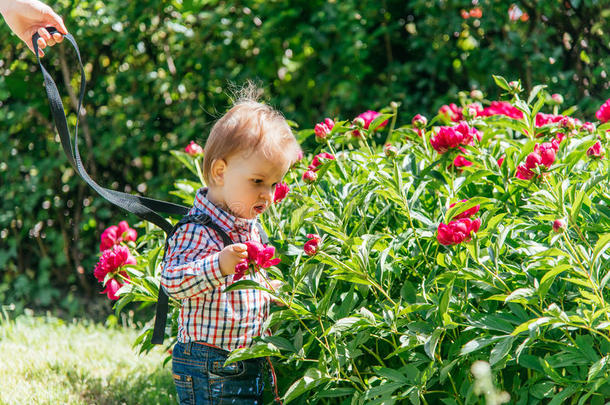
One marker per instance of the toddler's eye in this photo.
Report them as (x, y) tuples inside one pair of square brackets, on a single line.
[(257, 181), (274, 185)]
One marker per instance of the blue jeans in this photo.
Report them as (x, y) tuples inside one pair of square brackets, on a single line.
[(201, 379)]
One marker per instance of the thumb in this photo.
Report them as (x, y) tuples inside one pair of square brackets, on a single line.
[(239, 247)]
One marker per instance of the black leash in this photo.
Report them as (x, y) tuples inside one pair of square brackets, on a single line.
[(143, 207)]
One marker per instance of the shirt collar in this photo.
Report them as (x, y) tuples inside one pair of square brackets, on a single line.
[(225, 220)]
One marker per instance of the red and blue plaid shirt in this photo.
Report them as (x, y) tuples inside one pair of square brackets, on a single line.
[(191, 273)]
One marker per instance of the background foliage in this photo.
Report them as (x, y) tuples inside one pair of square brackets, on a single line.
[(159, 72), (384, 314)]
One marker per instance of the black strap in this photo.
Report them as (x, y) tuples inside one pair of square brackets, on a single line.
[(144, 207)]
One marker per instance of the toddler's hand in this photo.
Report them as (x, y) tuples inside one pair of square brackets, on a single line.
[(230, 256)]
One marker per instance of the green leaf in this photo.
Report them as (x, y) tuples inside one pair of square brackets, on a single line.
[(247, 285), (501, 82), (501, 349), (600, 247), (378, 121), (260, 349), (461, 207), (312, 378), (534, 92), (430, 345), (597, 368)]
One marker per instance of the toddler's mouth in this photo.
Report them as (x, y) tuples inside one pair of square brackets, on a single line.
[(259, 208)]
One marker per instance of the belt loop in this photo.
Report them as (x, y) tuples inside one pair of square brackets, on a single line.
[(187, 348)]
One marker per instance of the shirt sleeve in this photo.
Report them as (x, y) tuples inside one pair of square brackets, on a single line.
[(191, 266)]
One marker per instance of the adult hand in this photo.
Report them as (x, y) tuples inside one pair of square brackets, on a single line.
[(26, 17)]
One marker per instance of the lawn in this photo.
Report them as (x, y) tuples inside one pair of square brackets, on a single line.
[(46, 360)]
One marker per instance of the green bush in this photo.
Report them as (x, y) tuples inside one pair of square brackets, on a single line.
[(385, 313), (158, 75)]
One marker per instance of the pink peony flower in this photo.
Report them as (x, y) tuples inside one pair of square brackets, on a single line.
[(112, 260), (452, 112), (501, 108), (259, 255), (461, 161), (322, 129), (603, 114), (453, 137), (457, 231), (281, 190), (532, 160), (318, 160), (468, 213), (312, 245), (113, 235), (194, 149), (559, 226), (419, 121), (112, 286), (524, 173), (547, 153), (240, 269), (544, 119), (369, 116), (596, 150)]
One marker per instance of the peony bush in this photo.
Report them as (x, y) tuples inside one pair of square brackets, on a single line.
[(410, 276)]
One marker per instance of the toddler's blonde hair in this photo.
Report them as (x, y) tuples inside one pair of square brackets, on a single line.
[(249, 126)]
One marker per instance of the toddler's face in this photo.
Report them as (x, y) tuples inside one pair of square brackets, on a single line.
[(249, 182)]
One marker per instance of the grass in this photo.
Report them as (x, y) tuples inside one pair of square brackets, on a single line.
[(45, 360)]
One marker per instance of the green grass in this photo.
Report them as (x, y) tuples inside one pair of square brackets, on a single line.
[(45, 360)]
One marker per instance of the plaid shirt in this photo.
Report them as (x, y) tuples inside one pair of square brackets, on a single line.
[(191, 273)]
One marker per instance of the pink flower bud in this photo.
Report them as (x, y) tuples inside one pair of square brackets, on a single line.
[(588, 127), (194, 149), (557, 98), (501, 160), (476, 94), (312, 245), (515, 86), (319, 159), (310, 176), (358, 122), (559, 226), (112, 286), (322, 129), (596, 150), (419, 121), (567, 123), (389, 150)]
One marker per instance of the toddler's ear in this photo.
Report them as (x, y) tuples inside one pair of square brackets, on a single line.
[(217, 171)]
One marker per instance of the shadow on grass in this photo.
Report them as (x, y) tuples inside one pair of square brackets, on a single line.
[(155, 388)]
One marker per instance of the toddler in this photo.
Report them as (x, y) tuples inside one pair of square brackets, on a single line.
[(247, 154)]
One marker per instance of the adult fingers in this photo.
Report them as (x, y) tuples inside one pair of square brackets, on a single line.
[(56, 21)]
